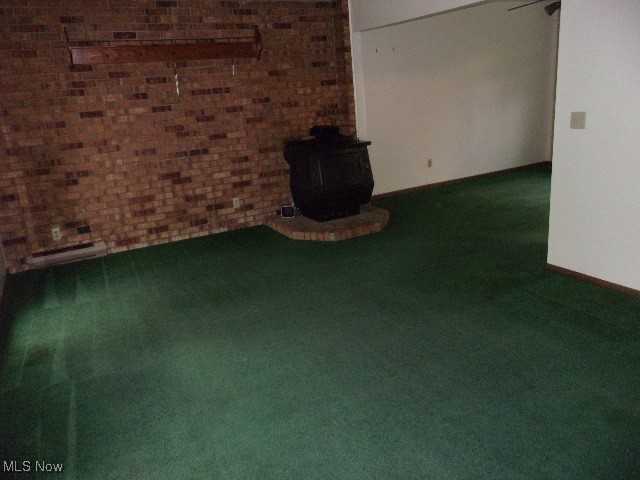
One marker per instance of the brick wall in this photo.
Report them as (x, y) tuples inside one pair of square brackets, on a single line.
[(112, 152)]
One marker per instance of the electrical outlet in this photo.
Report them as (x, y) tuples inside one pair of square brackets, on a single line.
[(55, 233), (236, 202), (578, 120), (429, 163)]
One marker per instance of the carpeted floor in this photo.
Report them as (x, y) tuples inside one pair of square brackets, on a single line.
[(438, 349)]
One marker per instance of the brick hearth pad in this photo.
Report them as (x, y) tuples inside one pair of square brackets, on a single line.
[(370, 220)]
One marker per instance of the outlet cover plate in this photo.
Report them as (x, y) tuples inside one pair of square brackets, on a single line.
[(578, 120)]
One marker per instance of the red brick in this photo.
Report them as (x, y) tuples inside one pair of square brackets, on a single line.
[(124, 153)]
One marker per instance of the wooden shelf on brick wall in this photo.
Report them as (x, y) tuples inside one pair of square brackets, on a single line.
[(166, 50)]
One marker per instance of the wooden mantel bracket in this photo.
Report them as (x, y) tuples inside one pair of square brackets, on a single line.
[(126, 51)]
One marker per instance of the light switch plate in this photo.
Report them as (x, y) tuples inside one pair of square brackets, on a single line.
[(578, 120)]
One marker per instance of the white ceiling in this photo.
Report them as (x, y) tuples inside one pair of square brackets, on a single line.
[(370, 14)]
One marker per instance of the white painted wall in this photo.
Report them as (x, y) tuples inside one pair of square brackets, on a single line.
[(358, 84), (470, 89), (368, 14), (595, 188)]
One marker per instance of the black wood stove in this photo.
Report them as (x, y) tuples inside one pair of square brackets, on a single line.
[(330, 176)]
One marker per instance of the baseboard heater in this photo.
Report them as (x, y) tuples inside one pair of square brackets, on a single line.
[(67, 254)]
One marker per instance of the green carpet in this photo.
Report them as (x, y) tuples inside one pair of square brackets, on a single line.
[(439, 348)]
